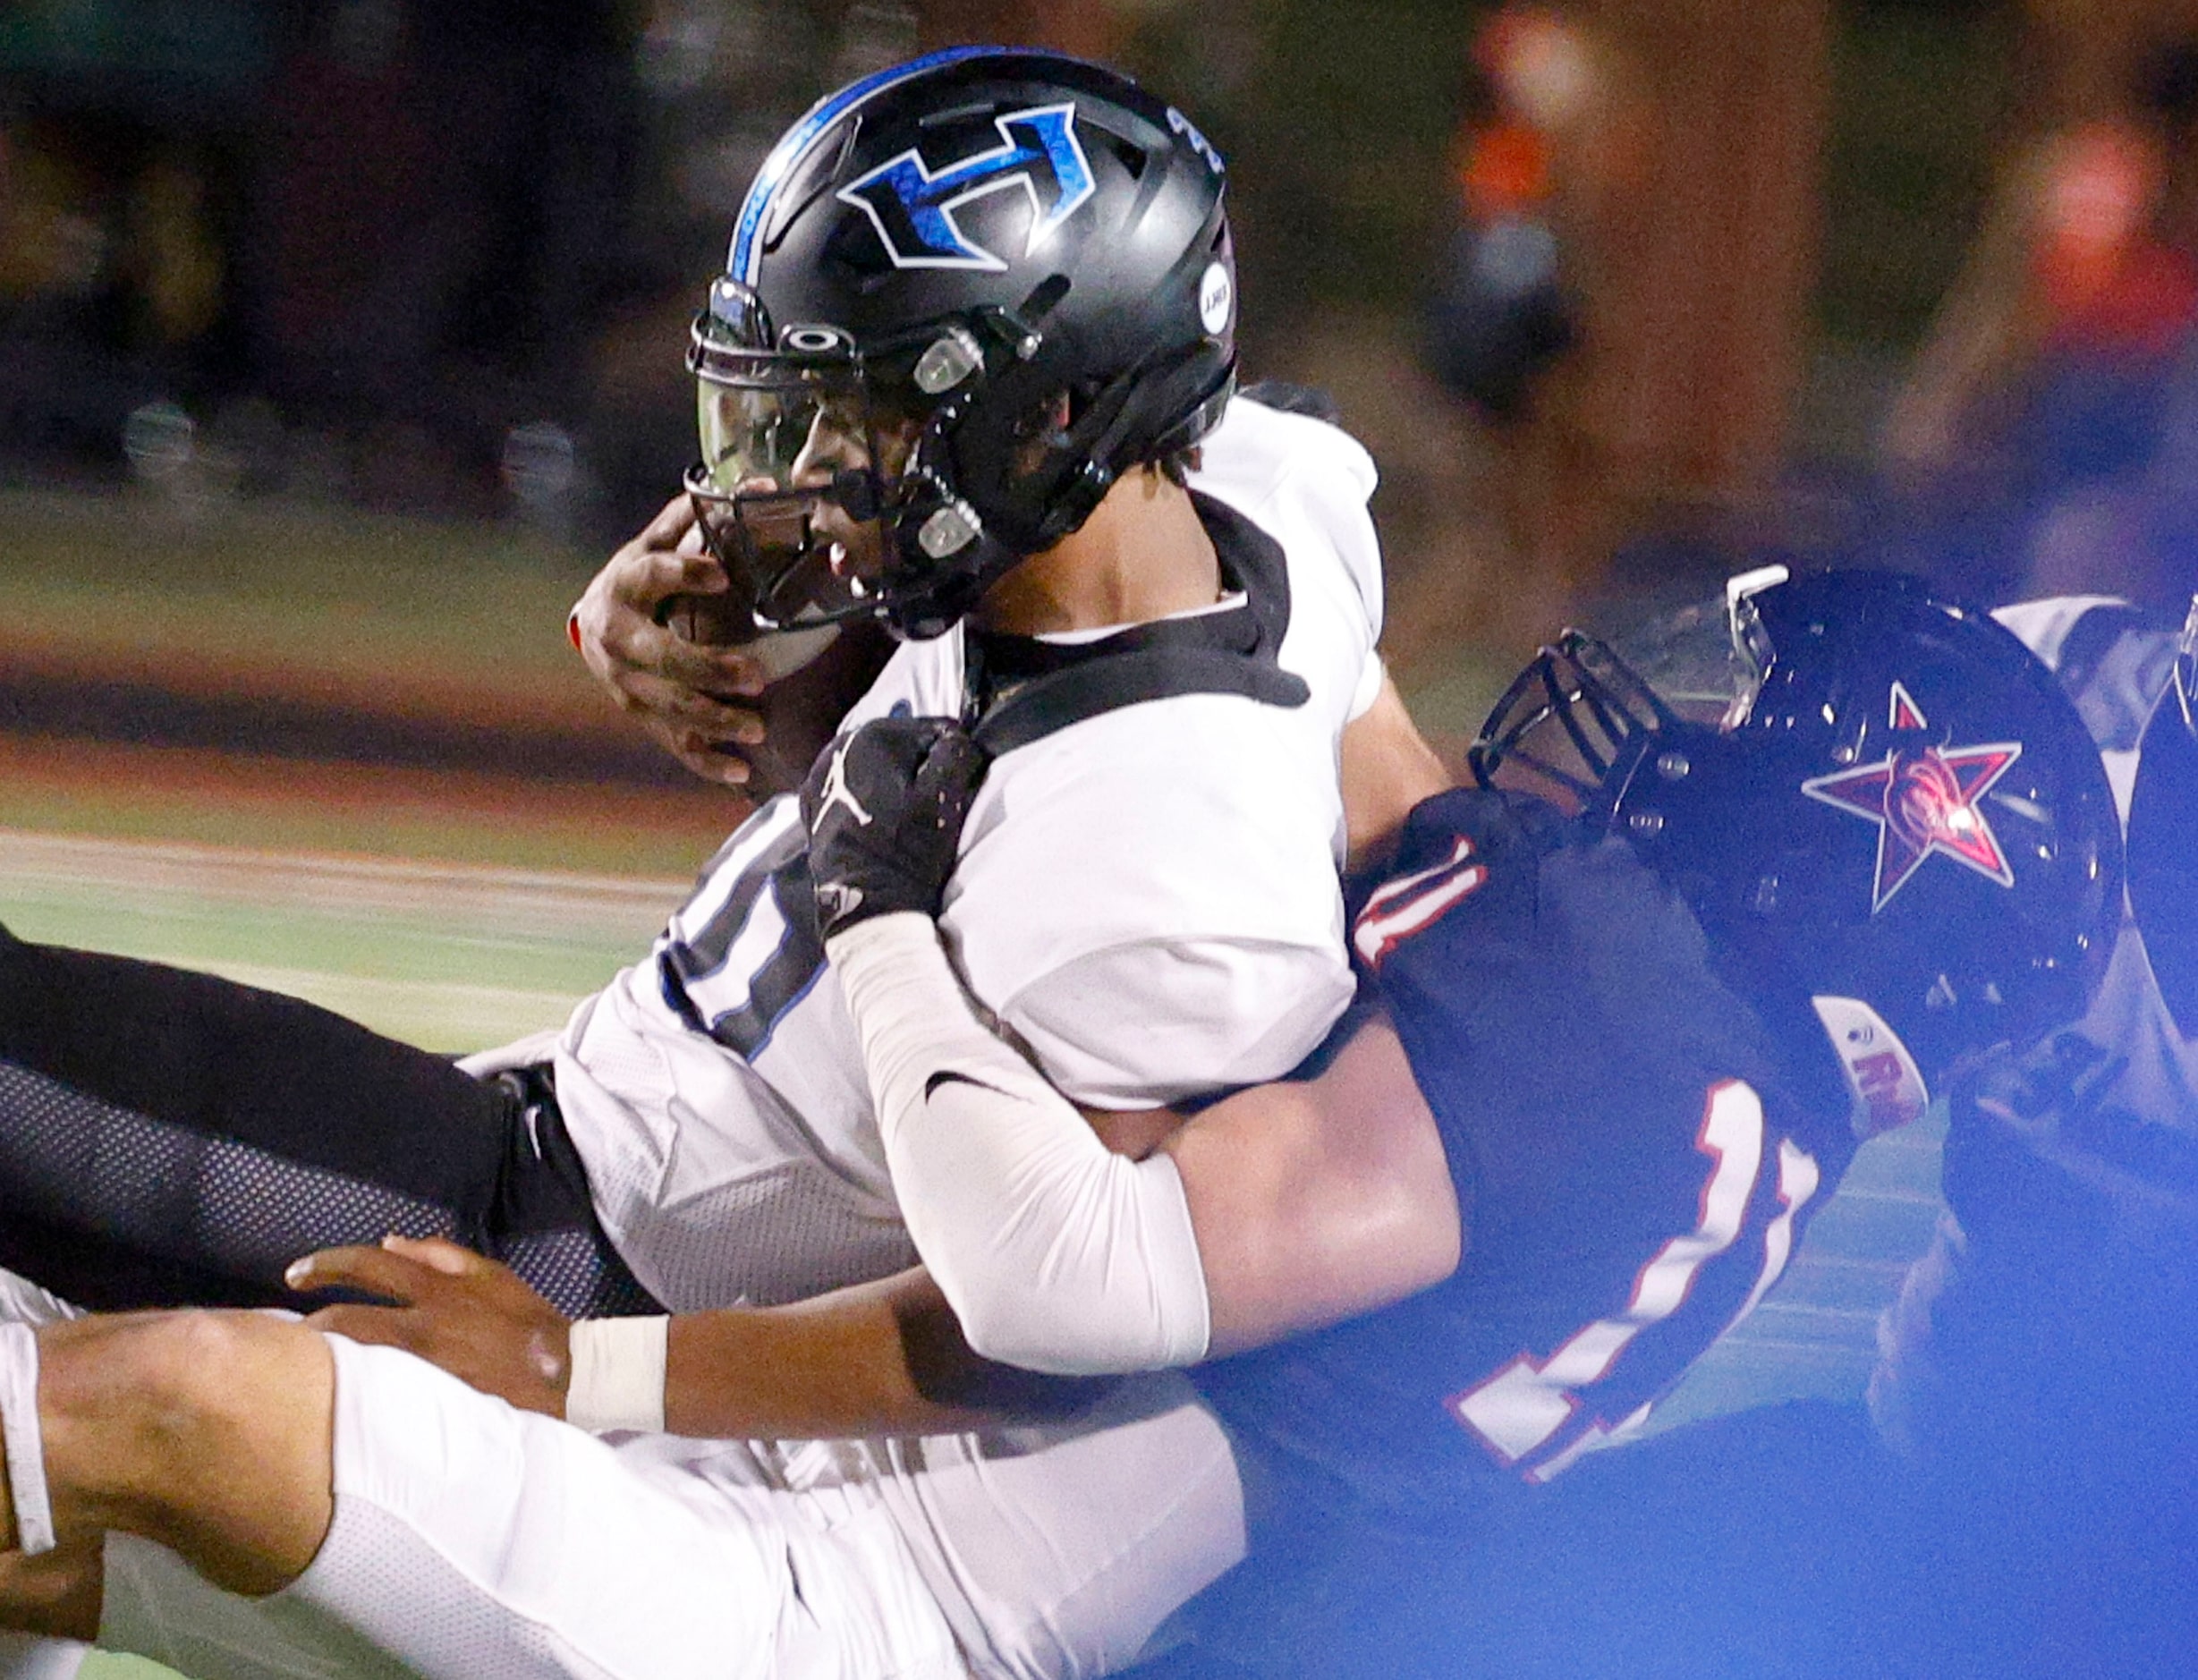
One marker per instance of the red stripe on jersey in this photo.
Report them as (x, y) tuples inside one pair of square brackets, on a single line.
[(1402, 907), (1523, 1409)]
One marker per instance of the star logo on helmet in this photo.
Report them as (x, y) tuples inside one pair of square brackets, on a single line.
[(1923, 801)]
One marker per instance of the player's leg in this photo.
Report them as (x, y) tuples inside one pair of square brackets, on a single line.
[(1073, 1543), (167, 1137), (209, 1432), (318, 1506)]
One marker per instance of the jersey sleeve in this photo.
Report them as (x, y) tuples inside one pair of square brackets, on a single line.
[(1328, 474), (1176, 922), (1154, 1023)]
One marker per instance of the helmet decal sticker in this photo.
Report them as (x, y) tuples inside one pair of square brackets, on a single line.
[(1886, 1086), (1216, 298), (1923, 801), (1182, 125), (1906, 713), (914, 208)]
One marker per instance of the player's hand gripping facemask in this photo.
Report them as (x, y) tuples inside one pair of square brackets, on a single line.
[(885, 806)]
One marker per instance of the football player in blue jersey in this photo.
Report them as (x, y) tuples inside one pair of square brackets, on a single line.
[(1627, 1034), (1823, 858)]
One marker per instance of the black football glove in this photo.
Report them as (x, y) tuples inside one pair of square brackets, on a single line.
[(885, 806)]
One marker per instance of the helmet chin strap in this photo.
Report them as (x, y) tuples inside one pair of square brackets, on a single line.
[(951, 552), (950, 559)]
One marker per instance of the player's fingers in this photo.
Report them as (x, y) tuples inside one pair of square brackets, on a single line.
[(375, 1271), (677, 711), (722, 763), (953, 765), (717, 671), (485, 1279), (672, 523), (437, 1254), (718, 721), (639, 581), (385, 1327), (666, 529), (680, 571), (700, 572)]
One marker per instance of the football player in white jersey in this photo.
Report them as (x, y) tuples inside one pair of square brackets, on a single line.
[(353, 1501), (969, 370), (969, 374), (970, 356)]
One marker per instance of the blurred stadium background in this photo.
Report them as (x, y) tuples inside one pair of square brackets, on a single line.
[(340, 339)]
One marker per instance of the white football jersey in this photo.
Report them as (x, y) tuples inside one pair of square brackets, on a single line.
[(2116, 661), (1147, 897)]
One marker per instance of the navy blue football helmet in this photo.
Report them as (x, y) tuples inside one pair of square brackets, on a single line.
[(1867, 794), (964, 296)]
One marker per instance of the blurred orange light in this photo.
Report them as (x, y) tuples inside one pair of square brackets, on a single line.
[(1506, 169), (2106, 279)]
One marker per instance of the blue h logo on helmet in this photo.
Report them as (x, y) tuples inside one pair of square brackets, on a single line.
[(914, 208)]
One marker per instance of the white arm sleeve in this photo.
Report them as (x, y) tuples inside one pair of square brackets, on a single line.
[(1057, 1254)]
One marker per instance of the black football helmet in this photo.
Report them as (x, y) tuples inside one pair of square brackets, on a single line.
[(1870, 796), (965, 295), (2163, 838)]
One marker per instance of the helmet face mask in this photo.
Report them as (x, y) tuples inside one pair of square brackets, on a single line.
[(1574, 724), (1866, 794), (965, 296), (802, 453)]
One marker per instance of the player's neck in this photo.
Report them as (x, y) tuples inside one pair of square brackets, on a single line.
[(1143, 555)]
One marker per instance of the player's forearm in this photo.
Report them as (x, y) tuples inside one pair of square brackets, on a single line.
[(1279, 1210), (887, 1358), (1056, 1253)]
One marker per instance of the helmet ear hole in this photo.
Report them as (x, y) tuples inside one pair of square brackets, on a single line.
[(1045, 297), (1129, 154)]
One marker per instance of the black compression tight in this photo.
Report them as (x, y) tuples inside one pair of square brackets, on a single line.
[(169, 1138)]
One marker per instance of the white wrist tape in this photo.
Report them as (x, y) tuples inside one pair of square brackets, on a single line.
[(618, 1373), (25, 1441), (1057, 1254)]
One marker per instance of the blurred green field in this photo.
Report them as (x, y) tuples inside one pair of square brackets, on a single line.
[(446, 955), (337, 599)]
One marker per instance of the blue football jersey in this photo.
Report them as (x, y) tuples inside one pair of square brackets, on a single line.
[(1634, 1147)]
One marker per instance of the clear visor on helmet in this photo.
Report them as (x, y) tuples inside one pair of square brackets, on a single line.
[(1587, 704), (800, 462)]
